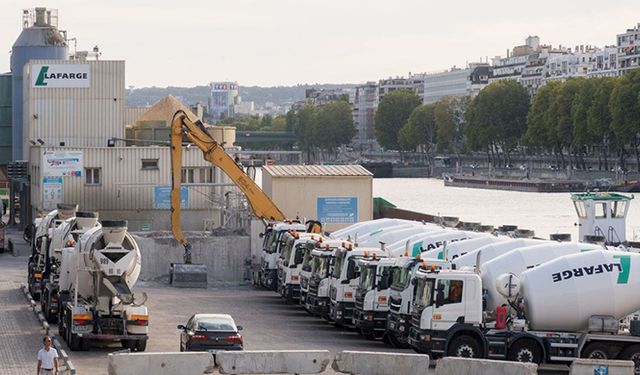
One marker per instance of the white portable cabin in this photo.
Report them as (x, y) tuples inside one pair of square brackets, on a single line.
[(603, 215)]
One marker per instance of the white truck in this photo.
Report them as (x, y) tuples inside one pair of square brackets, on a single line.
[(322, 262), (65, 235), (290, 263), (40, 244), (96, 278), (267, 274), (306, 268), (402, 288), (566, 308), (372, 296)]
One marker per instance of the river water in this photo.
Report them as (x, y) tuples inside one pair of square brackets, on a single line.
[(545, 213)]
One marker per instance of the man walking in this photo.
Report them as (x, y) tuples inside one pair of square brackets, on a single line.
[(47, 359)]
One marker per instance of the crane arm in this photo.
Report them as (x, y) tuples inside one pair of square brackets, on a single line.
[(261, 205)]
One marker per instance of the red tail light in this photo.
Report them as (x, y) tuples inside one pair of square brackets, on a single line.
[(198, 337), (234, 338)]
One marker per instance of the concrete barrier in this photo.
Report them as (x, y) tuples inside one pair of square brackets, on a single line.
[(457, 366), (273, 362), (597, 366), (371, 363), (192, 363)]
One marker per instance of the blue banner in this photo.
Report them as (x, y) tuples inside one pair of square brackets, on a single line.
[(162, 197), (337, 210)]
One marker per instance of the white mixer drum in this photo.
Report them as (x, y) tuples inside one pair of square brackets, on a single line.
[(519, 260), (564, 293)]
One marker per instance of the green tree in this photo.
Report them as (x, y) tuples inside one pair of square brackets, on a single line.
[(561, 111), (539, 123), (599, 119), (450, 121), (625, 113), (392, 114), (279, 123), (498, 119), (421, 130), (334, 125), (583, 139), (304, 129)]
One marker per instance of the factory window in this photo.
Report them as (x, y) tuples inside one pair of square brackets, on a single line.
[(188, 175), (206, 175), (92, 176), (149, 163)]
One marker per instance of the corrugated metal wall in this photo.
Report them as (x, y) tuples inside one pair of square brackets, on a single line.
[(80, 117), (124, 184)]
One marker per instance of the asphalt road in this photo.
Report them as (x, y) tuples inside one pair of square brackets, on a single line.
[(269, 324)]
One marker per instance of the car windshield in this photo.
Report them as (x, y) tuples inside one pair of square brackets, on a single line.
[(320, 267), (401, 277), (367, 277), (215, 324), (424, 292), (339, 263)]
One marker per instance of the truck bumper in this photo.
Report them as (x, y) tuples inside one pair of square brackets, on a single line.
[(370, 322), (291, 293), (342, 313), (398, 325), (427, 342), (318, 305)]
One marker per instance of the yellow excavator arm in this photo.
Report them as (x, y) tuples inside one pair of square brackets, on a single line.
[(262, 206)]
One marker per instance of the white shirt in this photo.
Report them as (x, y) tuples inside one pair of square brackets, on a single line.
[(46, 357)]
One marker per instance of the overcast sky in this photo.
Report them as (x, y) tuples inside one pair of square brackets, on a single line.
[(286, 42)]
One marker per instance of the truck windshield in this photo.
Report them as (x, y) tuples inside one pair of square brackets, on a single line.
[(286, 251), (367, 277), (424, 292), (306, 262), (299, 254), (320, 267), (272, 241), (401, 277), (339, 263)]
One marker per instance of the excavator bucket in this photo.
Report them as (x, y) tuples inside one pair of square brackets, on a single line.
[(188, 275)]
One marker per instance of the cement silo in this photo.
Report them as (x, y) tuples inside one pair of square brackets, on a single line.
[(40, 39)]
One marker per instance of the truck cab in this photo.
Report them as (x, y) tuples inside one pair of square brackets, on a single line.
[(322, 262), (272, 246), (372, 296), (401, 296), (290, 263), (343, 283), (442, 299)]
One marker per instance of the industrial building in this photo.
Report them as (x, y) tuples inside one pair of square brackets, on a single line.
[(224, 98)]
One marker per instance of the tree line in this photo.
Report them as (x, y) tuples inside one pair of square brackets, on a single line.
[(580, 117)]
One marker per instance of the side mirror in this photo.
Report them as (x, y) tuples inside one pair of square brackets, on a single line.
[(413, 281), (180, 326), (261, 235), (440, 296), (240, 328)]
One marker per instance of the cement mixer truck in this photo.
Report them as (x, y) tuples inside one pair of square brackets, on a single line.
[(566, 308), (40, 243), (65, 235), (96, 278)]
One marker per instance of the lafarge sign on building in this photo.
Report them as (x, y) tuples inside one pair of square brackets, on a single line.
[(60, 76)]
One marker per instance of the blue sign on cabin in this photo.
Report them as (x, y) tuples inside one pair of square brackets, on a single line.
[(337, 210), (162, 197)]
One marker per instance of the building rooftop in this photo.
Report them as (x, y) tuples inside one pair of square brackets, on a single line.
[(316, 170)]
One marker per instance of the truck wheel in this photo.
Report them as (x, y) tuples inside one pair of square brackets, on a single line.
[(141, 345), (396, 342), (632, 353), (85, 345), (525, 350), (74, 342), (464, 346), (596, 350)]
